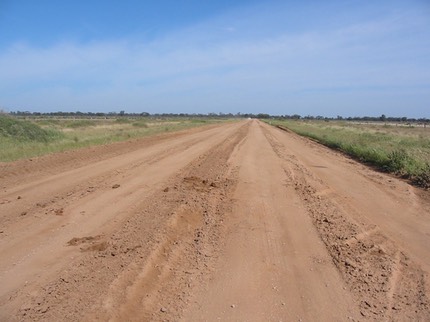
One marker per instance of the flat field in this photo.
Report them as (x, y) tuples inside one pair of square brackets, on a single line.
[(238, 221), (33, 136), (402, 149)]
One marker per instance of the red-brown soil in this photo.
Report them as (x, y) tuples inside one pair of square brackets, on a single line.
[(233, 222)]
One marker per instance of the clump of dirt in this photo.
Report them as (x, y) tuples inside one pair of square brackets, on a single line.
[(198, 184), (90, 243), (75, 241), (98, 247)]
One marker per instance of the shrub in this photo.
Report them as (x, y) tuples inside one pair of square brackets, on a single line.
[(80, 123), (122, 120), (398, 161), (422, 179), (140, 124), (25, 131)]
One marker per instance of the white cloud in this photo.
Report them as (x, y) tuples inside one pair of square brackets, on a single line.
[(201, 66)]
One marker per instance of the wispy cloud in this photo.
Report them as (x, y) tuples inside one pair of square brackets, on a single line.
[(210, 67)]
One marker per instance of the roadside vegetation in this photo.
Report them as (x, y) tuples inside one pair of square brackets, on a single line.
[(396, 148), (34, 136)]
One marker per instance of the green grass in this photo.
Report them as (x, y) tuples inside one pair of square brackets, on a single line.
[(79, 123), (122, 120), (19, 130), (141, 123), (401, 150), (34, 137)]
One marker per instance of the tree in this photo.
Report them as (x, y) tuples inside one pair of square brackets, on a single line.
[(263, 116)]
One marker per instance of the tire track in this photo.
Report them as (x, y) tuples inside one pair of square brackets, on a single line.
[(230, 223), (274, 267), (22, 171), (374, 268), (155, 258)]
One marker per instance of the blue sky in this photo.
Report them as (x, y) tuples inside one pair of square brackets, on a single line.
[(349, 58)]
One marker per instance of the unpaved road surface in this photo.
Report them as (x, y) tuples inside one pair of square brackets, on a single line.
[(233, 222)]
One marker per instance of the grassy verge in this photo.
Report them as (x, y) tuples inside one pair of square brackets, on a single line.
[(34, 137), (404, 151)]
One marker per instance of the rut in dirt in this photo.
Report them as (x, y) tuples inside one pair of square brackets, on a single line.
[(155, 257), (240, 221), (388, 284)]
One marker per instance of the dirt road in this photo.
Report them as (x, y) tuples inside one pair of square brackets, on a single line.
[(234, 222)]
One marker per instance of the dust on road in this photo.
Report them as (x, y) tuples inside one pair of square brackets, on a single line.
[(234, 222)]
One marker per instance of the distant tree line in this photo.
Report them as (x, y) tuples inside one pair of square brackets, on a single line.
[(382, 118)]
